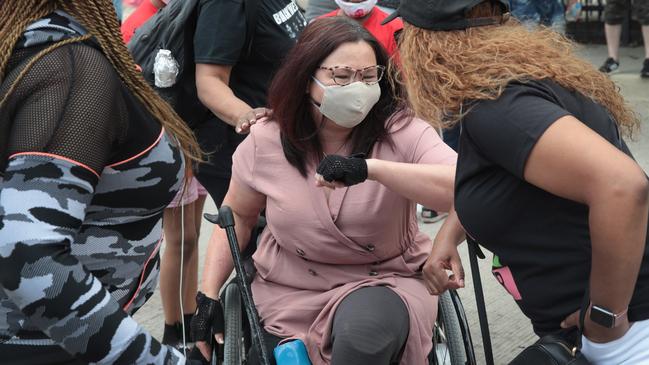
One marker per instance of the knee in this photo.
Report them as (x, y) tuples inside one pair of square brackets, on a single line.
[(374, 323), (366, 340), (190, 244)]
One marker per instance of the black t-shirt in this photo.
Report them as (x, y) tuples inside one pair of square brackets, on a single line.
[(221, 36), (220, 39), (541, 241)]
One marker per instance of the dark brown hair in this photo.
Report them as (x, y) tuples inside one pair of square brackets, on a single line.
[(292, 105)]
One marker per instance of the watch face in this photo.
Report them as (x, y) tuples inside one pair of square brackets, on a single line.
[(602, 317)]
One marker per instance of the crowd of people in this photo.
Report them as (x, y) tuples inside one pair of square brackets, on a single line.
[(321, 119)]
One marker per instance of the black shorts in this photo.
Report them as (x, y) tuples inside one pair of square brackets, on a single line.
[(616, 10), (219, 141)]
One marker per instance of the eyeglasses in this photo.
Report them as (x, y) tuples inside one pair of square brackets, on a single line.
[(343, 75)]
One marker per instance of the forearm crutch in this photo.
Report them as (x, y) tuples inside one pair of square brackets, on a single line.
[(225, 220)]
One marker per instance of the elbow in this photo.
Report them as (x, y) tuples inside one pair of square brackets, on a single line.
[(450, 191), (640, 190), (441, 200), (449, 202), (630, 189), (442, 193), (635, 189)]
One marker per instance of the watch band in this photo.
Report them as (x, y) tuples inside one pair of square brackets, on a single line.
[(605, 317)]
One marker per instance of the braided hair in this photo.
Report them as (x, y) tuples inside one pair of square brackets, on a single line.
[(102, 25)]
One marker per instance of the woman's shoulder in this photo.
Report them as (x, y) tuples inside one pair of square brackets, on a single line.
[(404, 124), (406, 134), (515, 95), (82, 63), (266, 134)]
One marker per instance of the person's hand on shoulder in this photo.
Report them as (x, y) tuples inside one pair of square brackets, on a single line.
[(256, 115)]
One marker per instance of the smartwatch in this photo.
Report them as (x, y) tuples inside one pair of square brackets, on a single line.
[(605, 317)]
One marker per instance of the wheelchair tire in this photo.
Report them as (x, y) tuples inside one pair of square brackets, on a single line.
[(452, 344), (233, 348)]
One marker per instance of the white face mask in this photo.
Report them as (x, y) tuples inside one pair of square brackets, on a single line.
[(356, 10), (348, 105)]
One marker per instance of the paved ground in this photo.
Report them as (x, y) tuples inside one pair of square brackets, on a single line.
[(510, 330)]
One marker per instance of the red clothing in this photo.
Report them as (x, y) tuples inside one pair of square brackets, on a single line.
[(139, 17), (383, 33)]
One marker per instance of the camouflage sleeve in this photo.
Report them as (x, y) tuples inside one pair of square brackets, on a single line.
[(43, 199)]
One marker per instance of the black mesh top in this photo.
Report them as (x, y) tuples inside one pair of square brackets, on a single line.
[(49, 110)]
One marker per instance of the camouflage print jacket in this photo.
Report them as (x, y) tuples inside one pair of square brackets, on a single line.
[(87, 173)]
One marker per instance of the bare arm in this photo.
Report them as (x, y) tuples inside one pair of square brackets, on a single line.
[(444, 256), (572, 161), (212, 85), (246, 205), (429, 185), (452, 230)]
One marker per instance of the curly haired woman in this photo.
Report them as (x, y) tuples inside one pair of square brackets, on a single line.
[(544, 179), (89, 156)]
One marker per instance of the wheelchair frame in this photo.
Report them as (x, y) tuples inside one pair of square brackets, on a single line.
[(452, 343)]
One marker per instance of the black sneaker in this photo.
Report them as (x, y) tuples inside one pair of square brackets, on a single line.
[(610, 66), (645, 69), (172, 335)]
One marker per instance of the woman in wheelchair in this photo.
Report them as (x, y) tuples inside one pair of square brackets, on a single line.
[(339, 170)]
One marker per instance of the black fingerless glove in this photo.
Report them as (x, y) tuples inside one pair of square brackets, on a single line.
[(347, 170), (208, 318)]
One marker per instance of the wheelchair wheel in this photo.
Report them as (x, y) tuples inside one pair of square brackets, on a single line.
[(452, 343), (233, 349)]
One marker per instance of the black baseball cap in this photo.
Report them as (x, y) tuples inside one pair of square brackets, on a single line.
[(444, 15)]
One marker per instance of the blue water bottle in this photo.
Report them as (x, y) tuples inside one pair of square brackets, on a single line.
[(291, 353)]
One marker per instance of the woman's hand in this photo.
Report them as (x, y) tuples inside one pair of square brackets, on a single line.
[(337, 171), (251, 117), (322, 183), (444, 256), (594, 331), (207, 320)]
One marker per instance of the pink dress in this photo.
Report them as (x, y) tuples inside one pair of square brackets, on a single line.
[(313, 253)]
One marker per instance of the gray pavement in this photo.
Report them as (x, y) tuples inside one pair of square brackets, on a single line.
[(510, 330)]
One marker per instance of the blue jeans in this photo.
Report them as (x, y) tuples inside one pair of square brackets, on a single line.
[(549, 13)]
